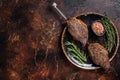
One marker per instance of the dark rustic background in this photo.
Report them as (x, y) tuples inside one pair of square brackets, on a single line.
[(30, 33)]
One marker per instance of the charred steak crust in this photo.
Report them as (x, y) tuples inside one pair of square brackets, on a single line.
[(78, 30), (99, 55)]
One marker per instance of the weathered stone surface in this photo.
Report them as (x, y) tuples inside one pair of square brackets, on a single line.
[(30, 34)]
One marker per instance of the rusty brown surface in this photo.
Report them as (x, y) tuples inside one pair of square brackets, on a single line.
[(30, 34)]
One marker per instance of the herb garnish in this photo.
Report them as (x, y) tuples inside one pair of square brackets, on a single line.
[(110, 33), (75, 52)]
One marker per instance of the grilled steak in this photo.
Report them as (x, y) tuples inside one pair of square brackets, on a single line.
[(78, 30), (99, 55)]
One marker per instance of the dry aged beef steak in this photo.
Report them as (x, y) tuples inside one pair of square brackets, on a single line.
[(99, 55), (78, 29)]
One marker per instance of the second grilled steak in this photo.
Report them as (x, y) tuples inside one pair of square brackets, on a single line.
[(99, 55)]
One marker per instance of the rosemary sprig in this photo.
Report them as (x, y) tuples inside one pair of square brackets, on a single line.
[(75, 52), (110, 33)]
